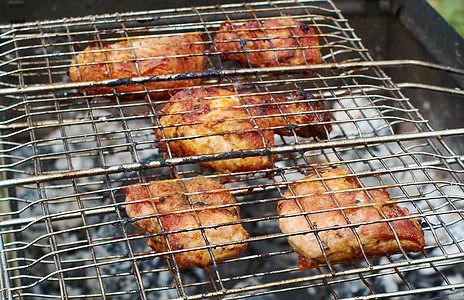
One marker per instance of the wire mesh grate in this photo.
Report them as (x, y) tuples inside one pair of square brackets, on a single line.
[(67, 154)]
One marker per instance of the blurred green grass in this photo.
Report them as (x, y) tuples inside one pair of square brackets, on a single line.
[(452, 11)]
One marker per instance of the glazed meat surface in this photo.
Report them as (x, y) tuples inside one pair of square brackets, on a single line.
[(173, 200), (141, 57), (269, 43), (359, 206), (216, 120)]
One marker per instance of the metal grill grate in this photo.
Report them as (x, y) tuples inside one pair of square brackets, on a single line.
[(66, 155)]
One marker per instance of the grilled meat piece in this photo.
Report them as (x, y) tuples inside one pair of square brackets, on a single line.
[(359, 206), (141, 57), (304, 114), (216, 120), (269, 43), (216, 115), (185, 205)]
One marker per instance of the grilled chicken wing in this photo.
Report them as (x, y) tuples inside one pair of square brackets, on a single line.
[(215, 120), (269, 43), (141, 57), (360, 207), (173, 200)]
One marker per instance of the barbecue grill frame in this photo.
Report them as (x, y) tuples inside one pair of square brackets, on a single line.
[(106, 171)]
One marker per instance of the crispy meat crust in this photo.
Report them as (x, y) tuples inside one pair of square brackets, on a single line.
[(256, 42), (172, 196), (341, 245), (229, 122), (305, 115), (151, 56)]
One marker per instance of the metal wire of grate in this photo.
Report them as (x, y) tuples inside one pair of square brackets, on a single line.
[(66, 154)]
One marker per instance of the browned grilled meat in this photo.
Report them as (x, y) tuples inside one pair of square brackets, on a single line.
[(216, 120), (269, 43), (173, 200), (141, 57), (360, 207), (304, 114)]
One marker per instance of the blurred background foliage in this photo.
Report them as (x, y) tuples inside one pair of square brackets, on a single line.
[(452, 11)]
